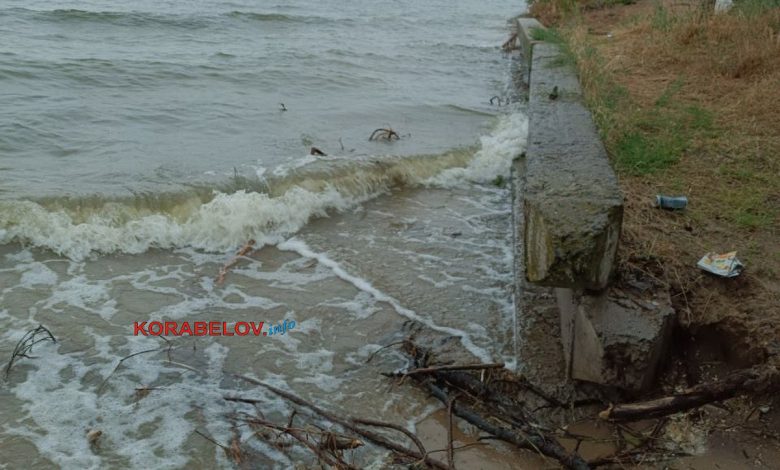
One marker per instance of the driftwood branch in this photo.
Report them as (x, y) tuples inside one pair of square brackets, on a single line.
[(444, 384), (433, 369), (509, 44), (755, 380), (327, 449), (412, 437), (244, 251), (351, 424), (384, 133), (450, 451), (545, 445)]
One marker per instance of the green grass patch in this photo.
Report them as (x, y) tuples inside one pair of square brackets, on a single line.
[(754, 7), (641, 154), (553, 36), (662, 19), (673, 88), (655, 139), (750, 210)]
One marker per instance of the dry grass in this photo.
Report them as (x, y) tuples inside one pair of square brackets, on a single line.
[(687, 104)]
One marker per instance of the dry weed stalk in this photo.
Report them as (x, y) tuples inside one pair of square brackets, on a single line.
[(25, 345)]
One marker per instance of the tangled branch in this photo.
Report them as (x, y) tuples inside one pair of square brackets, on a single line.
[(384, 133), (25, 345)]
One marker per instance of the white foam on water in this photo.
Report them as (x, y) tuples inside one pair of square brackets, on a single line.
[(285, 169), (36, 274), (229, 220), (326, 383), (447, 282), (287, 276), (494, 158), (88, 295), (361, 307), (146, 433), (300, 247)]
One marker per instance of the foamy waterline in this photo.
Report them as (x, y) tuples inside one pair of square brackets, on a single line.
[(228, 220), (301, 248)]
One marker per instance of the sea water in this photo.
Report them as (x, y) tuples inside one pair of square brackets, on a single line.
[(143, 143)]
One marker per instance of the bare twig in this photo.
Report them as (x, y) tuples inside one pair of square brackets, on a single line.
[(434, 369), (324, 452), (544, 445), (415, 439), (384, 133), (450, 452), (210, 439), (349, 424), (146, 351), (244, 251), (25, 345), (371, 356)]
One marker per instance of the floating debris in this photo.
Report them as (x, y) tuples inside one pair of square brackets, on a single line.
[(93, 437), (282, 107), (724, 265), (247, 249), (510, 44), (384, 133), (671, 202), (317, 152), (495, 98), (25, 345), (554, 94)]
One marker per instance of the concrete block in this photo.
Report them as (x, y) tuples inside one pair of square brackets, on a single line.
[(615, 338), (525, 26), (572, 205)]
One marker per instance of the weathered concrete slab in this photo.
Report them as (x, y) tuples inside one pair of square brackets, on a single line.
[(540, 357), (568, 212), (573, 207), (616, 338), (525, 40)]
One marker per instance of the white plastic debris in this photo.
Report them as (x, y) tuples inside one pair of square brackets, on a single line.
[(725, 265), (723, 5)]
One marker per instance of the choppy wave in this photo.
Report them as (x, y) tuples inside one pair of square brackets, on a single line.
[(141, 19), (115, 18), (277, 17), (223, 218)]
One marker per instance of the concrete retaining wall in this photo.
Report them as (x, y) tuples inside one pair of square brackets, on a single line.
[(573, 208), (568, 211)]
